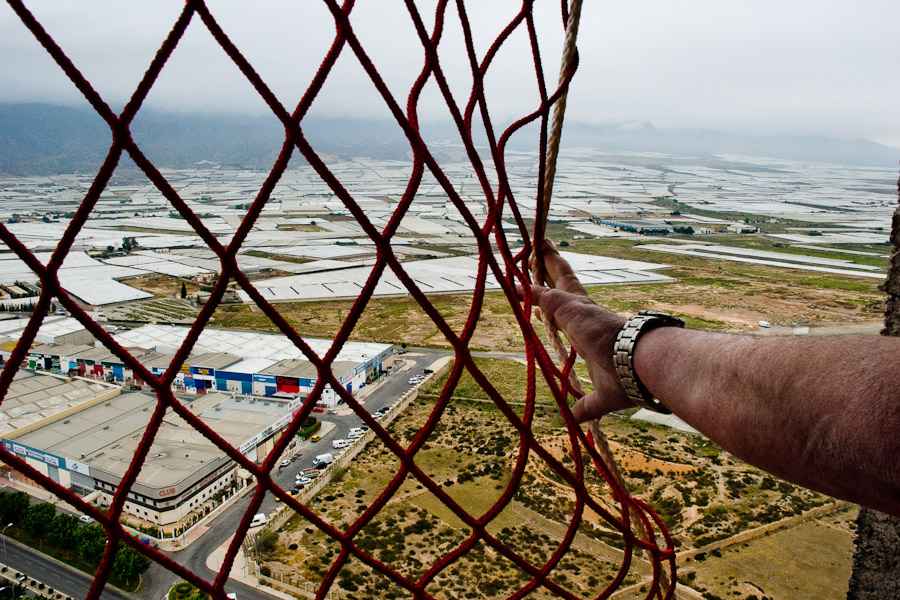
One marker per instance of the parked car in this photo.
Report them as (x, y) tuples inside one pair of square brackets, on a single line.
[(285, 462), (315, 438), (332, 410), (86, 519), (311, 473), (303, 480), (355, 433), (338, 444)]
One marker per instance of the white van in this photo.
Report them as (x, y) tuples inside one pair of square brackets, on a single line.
[(259, 520), (325, 458), (338, 444)]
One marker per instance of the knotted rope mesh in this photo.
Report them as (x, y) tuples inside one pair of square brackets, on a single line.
[(508, 267)]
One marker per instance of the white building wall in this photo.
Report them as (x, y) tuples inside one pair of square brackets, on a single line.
[(182, 511), (39, 465)]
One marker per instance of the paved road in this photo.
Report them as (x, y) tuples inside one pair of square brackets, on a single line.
[(388, 391), (49, 571)]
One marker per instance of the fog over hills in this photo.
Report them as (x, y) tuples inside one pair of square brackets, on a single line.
[(40, 139)]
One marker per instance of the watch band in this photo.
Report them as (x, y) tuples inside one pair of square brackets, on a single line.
[(623, 355)]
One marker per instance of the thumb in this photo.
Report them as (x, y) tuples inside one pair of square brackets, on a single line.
[(594, 405)]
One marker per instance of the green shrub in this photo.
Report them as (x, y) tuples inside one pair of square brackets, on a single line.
[(183, 588), (305, 433)]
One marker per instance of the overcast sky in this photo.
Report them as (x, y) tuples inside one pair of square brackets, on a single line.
[(805, 67)]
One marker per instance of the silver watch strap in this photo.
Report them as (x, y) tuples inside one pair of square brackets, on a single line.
[(623, 355)]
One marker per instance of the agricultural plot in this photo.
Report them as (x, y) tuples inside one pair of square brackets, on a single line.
[(160, 310)]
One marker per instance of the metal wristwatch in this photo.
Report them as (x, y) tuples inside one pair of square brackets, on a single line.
[(623, 355)]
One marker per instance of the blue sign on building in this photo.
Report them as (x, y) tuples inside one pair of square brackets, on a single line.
[(29, 452)]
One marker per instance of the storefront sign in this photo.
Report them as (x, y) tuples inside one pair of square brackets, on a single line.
[(26, 451)]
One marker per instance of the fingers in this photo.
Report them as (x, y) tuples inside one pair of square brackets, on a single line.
[(559, 272), (551, 301)]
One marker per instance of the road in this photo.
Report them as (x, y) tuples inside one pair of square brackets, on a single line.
[(59, 576)]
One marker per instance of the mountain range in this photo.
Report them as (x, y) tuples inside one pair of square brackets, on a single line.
[(43, 139)]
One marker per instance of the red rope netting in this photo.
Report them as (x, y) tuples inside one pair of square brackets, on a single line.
[(509, 270)]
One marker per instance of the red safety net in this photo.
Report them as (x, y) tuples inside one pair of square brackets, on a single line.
[(508, 268)]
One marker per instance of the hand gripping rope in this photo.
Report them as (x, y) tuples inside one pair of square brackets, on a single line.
[(650, 537), (596, 436)]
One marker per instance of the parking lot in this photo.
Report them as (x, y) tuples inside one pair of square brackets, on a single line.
[(342, 426)]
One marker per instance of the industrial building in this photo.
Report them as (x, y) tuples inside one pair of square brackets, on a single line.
[(239, 362), (73, 420), (54, 330), (90, 449), (35, 397), (259, 364)]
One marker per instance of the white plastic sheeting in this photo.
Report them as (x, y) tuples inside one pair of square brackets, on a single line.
[(91, 281), (244, 344), (772, 259), (441, 276)]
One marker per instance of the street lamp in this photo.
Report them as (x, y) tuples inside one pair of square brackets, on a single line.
[(3, 533)]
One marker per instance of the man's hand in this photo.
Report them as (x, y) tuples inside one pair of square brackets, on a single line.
[(590, 329), (820, 411)]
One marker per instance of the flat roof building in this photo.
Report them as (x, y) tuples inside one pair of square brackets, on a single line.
[(91, 449), (35, 397)]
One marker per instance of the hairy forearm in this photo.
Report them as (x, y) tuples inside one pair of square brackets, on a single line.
[(823, 412)]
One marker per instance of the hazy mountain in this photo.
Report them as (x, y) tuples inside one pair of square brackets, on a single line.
[(43, 139), (703, 142)]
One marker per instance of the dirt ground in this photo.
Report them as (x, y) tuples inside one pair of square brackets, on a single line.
[(161, 285)]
